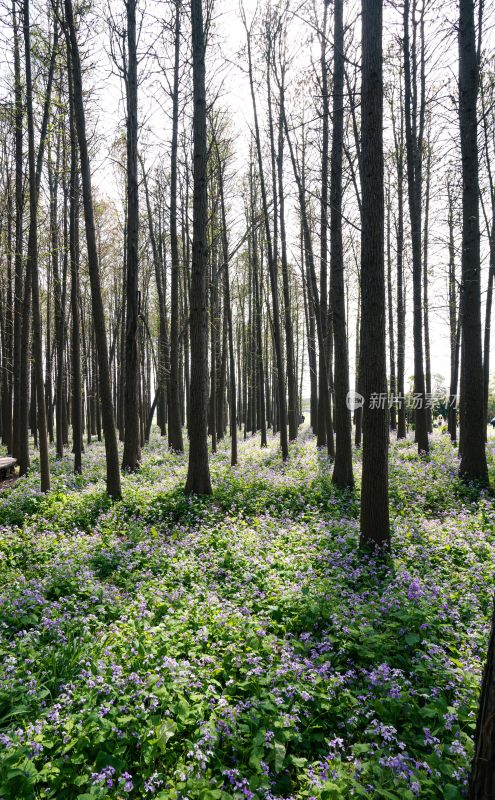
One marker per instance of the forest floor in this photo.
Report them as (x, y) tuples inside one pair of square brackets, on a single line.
[(240, 646)]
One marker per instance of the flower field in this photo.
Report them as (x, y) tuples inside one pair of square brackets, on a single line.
[(240, 646)]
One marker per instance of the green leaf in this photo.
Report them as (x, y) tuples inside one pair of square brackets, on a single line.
[(279, 750), (451, 792), (331, 792), (164, 732)]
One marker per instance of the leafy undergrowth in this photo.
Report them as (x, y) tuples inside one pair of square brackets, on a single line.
[(239, 646)]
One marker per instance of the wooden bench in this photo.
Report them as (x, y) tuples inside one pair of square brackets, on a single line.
[(7, 464)]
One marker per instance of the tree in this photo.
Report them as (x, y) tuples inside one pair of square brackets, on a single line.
[(111, 449), (271, 258), (472, 415), (342, 473), (132, 449), (77, 427), (198, 474), (174, 421), (325, 423), (373, 359), (414, 129), (32, 276), (482, 778), (18, 265)]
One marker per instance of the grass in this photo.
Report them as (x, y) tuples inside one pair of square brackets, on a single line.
[(239, 646)]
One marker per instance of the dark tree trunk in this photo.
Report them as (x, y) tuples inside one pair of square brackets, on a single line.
[(426, 316), (162, 310), (472, 417), (490, 227), (272, 271), (342, 473), (482, 778), (59, 314), (414, 144), (198, 475), (373, 367), (19, 390), (390, 305), (258, 359), (325, 431), (132, 442), (401, 301), (77, 434), (228, 314), (293, 413), (34, 166), (111, 449), (309, 257), (174, 416), (358, 414), (8, 335), (454, 325), (488, 322)]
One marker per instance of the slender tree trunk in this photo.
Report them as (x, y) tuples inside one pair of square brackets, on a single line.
[(309, 256), (132, 446), (488, 322), (59, 314), (77, 434), (401, 302), (228, 313), (174, 417), (454, 324), (9, 330), (373, 370), (342, 473), (414, 143), (472, 418), (390, 304), (32, 254), (293, 413), (111, 449), (198, 475), (426, 315), (272, 269), (482, 778), (325, 428), (19, 390)]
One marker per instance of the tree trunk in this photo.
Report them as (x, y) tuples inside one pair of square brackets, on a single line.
[(482, 778), (132, 446), (293, 413), (401, 301), (111, 449), (174, 417), (34, 166), (342, 472), (390, 304), (198, 475), (414, 144), (19, 389), (472, 431), (272, 270), (77, 434), (373, 368)]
